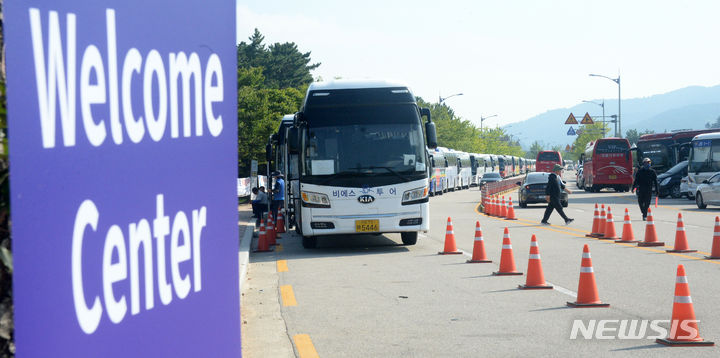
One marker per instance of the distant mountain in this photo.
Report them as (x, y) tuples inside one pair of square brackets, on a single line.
[(685, 108)]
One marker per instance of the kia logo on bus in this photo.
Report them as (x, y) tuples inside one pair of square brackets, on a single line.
[(366, 199)]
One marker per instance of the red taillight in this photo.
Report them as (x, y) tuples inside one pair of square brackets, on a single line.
[(527, 186)]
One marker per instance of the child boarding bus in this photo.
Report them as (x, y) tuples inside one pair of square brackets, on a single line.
[(704, 159), (437, 166), (607, 164), (546, 160), (363, 161)]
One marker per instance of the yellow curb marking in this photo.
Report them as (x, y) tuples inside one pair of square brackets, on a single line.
[(305, 346), (288, 296)]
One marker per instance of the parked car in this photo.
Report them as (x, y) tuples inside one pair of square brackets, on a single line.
[(490, 178), (685, 188), (579, 181), (671, 179), (708, 192), (532, 190), (692, 187)]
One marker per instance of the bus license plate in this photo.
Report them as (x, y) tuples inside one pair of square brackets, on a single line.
[(367, 225), (613, 177)]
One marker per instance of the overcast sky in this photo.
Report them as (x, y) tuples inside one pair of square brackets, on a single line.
[(512, 58)]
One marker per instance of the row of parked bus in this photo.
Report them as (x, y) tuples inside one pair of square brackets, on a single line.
[(451, 170)]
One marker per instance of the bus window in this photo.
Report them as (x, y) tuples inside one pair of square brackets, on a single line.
[(700, 156)]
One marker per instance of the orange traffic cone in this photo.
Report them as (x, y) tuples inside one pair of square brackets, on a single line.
[(510, 211), (651, 238), (270, 231), (478, 255), (596, 220), (684, 330), (627, 234), (262, 239), (587, 289), (715, 253), (503, 208), (492, 206), (601, 222), (681, 243), (450, 247), (609, 227), (535, 278), (507, 260), (280, 224)]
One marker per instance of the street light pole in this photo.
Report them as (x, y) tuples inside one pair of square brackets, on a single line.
[(603, 115), (442, 99), (616, 80), (482, 119)]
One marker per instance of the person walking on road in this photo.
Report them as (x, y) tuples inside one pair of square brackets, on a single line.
[(553, 189), (645, 179)]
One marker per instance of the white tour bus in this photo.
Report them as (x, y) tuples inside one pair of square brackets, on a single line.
[(362, 165), (451, 172), (704, 159)]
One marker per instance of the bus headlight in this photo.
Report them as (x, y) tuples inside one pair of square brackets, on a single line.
[(415, 196), (665, 181), (315, 200)]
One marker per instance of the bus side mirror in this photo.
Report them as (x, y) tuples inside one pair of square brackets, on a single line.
[(298, 118), (293, 140), (268, 152), (431, 135)]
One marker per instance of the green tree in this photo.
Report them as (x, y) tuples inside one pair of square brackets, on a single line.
[(459, 134), (535, 148), (633, 135), (715, 124), (272, 81), (260, 110), (589, 133), (283, 65)]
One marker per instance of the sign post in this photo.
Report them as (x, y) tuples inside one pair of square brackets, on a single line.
[(123, 177)]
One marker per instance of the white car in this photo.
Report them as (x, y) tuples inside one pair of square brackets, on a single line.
[(708, 192)]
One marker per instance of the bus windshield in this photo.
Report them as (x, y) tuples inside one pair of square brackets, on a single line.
[(700, 158), (658, 152), (549, 156), (364, 140), (611, 146)]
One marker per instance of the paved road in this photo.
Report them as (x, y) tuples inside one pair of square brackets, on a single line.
[(371, 296)]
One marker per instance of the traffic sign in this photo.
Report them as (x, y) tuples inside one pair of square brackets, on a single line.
[(571, 131), (587, 119), (567, 148), (571, 119)]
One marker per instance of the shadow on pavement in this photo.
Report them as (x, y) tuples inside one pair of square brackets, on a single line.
[(647, 346), (332, 246)]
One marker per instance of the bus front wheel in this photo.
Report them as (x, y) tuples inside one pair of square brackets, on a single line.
[(409, 238), (309, 242)]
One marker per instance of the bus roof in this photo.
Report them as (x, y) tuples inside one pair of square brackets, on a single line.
[(655, 136), (691, 134), (713, 135), (354, 84)]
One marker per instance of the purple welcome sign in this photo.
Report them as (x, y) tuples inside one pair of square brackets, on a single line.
[(123, 156)]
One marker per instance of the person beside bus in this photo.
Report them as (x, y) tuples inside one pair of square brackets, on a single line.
[(259, 205), (553, 189), (278, 198), (645, 179)]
